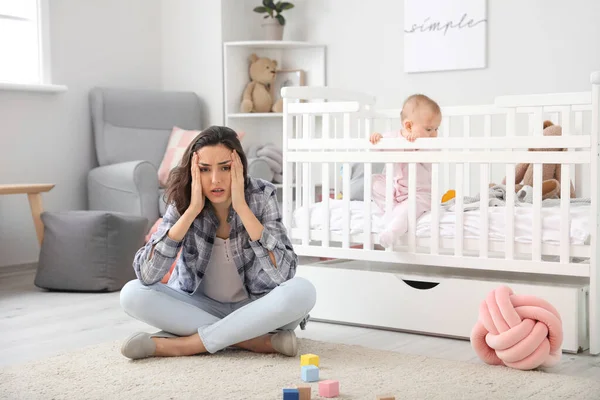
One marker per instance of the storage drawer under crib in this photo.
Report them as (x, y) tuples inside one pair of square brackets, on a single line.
[(438, 302)]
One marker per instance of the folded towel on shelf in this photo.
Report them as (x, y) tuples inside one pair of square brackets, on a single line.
[(265, 155)]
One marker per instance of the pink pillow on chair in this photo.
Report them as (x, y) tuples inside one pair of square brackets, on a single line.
[(178, 142)]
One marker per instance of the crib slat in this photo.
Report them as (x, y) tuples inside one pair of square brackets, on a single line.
[(305, 126), (510, 212), (484, 172), (368, 243), (368, 127), (298, 196), (297, 166), (577, 171), (359, 128), (446, 167), (325, 126), (347, 126), (346, 200), (565, 220), (298, 127), (538, 121), (511, 122), (467, 173), (325, 201), (536, 244), (435, 208), (459, 212), (308, 134), (336, 166), (306, 186), (487, 132), (288, 201), (578, 122), (510, 191), (306, 201), (567, 130), (412, 207), (389, 192)]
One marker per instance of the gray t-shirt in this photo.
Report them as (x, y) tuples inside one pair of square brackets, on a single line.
[(221, 282)]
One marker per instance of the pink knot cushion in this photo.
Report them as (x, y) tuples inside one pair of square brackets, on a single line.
[(522, 332)]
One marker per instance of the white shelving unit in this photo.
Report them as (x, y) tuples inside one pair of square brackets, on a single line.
[(262, 128)]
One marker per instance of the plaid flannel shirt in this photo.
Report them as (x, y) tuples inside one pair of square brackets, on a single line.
[(251, 258)]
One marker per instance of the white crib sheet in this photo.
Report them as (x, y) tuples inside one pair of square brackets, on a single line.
[(523, 221)]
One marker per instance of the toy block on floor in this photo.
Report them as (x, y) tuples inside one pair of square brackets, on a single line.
[(310, 373), (309, 359), (305, 392), (329, 388), (385, 397), (291, 394)]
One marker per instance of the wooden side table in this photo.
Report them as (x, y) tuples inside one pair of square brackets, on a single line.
[(34, 194)]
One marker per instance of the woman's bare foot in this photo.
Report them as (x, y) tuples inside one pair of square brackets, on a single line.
[(283, 342), (180, 346), (261, 344)]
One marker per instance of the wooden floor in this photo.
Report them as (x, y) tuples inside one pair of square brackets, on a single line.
[(36, 324)]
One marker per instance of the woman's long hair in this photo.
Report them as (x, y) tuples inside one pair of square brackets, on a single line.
[(179, 187)]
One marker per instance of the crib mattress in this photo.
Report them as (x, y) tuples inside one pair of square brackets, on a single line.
[(523, 222)]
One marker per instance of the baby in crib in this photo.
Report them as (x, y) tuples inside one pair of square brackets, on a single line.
[(420, 118)]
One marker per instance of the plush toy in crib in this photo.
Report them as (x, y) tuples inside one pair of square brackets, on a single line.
[(257, 96), (551, 172)]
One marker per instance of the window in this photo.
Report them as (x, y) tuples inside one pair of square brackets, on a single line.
[(24, 57)]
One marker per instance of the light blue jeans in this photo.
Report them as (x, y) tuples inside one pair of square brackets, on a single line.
[(219, 324)]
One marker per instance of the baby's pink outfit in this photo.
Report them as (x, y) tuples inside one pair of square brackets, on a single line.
[(398, 220)]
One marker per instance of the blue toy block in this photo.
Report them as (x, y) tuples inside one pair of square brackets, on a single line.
[(310, 373), (291, 394)]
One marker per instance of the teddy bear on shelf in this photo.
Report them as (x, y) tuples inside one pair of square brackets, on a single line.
[(551, 173), (257, 96)]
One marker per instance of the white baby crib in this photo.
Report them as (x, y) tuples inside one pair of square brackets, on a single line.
[(433, 280)]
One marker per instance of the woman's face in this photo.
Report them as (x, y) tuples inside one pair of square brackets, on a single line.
[(214, 163)]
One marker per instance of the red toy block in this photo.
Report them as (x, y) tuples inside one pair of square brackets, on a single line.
[(329, 388)]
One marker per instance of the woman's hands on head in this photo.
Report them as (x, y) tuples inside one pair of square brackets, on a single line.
[(238, 199), (197, 199)]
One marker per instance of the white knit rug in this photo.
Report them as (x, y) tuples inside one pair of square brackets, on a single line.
[(100, 372)]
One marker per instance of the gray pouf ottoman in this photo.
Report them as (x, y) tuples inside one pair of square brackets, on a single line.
[(89, 251)]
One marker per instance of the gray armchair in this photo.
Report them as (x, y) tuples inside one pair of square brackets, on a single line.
[(131, 129)]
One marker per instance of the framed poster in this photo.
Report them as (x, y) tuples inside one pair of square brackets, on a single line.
[(287, 77), (442, 35)]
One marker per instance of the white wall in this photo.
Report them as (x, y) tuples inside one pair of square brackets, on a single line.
[(533, 46), (48, 138), (192, 53)]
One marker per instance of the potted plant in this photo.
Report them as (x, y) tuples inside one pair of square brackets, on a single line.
[(274, 21)]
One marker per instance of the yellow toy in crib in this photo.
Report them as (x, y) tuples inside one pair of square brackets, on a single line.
[(449, 195)]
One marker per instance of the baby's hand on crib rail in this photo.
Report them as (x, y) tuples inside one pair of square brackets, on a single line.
[(375, 138), (411, 136)]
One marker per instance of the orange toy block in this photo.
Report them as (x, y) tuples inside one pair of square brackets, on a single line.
[(305, 392), (385, 397)]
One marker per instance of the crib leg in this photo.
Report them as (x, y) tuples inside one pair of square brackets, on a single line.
[(594, 305)]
